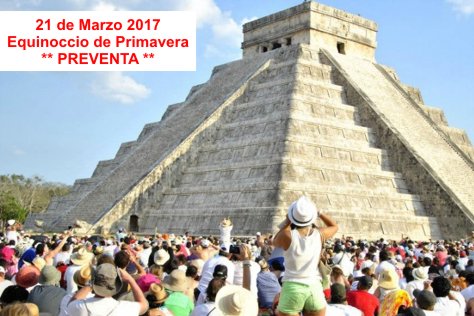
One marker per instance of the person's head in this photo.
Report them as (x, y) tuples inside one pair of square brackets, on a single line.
[(389, 279), (106, 280), (220, 272), (302, 213), (384, 255), (237, 301), (276, 265), (50, 276), (20, 309), (338, 294), (425, 299), (28, 276), (156, 296), (176, 281), (83, 276), (191, 272), (66, 247), (441, 286), (122, 259), (408, 274), (213, 288), (470, 278), (157, 270), (426, 261), (161, 257), (105, 258), (365, 283), (13, 293)]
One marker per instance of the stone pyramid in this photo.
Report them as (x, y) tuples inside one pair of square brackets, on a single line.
[(307, 110)]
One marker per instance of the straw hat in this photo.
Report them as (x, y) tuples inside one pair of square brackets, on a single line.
[(158, 292), (302, 212), (83, 275), (389, 279), (420, 274), (176, 281), (161, 256), (38, 262), (234, 300), (82, 257)]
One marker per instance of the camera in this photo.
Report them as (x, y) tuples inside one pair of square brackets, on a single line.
[(234, 250)]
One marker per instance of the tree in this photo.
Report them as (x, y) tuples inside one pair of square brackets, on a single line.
[(30, 194), (10, 208)]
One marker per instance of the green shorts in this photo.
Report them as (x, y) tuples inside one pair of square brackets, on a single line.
[(297, 297)]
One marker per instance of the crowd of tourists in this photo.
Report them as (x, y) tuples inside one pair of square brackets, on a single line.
[(300, 270)]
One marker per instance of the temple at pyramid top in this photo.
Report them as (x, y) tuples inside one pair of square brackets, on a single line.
[(306, 111), (314, 24)]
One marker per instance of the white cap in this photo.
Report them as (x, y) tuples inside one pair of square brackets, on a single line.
[(11, 222)]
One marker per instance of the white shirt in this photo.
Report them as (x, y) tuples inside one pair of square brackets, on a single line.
[(65, 302), (102, 307), (4, 284), (302, 257), (239, 275), (447, 307), (63, 256), (383, 266), (208, 270), (205, 309), (413, 285), (69, 277), (144, 256), (343, 259), (468, 292), (346, 309)]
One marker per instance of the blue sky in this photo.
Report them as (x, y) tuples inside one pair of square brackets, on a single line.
[(58, 125)]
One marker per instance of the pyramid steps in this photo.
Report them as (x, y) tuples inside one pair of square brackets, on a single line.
[(442, 180)]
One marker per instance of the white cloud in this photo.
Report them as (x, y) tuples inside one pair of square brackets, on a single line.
[(463, 6), (223, 26), (115, 86)]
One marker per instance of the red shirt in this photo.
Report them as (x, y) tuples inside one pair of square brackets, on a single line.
[(364, 301)]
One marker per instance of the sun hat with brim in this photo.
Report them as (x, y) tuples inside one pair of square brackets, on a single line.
[(161, 256), (81, 257), (420, 274), (49, 276), (234, 300), (302, 212), (389, 280), (106, 280), (176, 281), (83, 275), (146, 280), (158, 292), (27, 276)]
